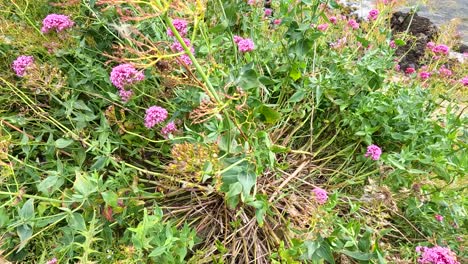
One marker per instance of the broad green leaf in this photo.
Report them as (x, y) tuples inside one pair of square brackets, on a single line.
[(357, 255), (27, 211), (270, 114), (84, 184), (110, 198), (24, 232), (63, 143)]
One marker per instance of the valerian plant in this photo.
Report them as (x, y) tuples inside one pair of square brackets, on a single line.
[(226, 131)]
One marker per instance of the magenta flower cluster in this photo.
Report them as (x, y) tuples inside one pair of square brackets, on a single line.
[(168, 129), (373, 14), (439, 218), (424, 75), (438, 49), (321, 195), (181, 27), (124, 75), (155, 115), (177, 47), (444, 72), (244, 44), (21, 64), (322, 27), (52, 261), (374, 152), (464, 81), (353, 24), (436, 255), (56, 22)]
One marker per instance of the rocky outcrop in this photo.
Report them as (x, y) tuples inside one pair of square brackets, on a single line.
[(422, 30)]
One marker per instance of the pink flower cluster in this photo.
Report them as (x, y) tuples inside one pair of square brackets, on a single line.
[(373, 14), (21, 64), (168, 129), (268, 12), (436, 255), (410, 70), (56, 22), (374, 152), (439, 218), (52, 261), (464, 81), (123, 75), (155, 115), (333, 19), (438, 49), (392, 44), (444, 72), (322, 27), (424, 75), (244, 45), (353, 24), (321, 195), (181, 27), (177, 47)]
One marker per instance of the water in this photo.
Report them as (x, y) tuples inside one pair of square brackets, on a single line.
[(438, 11)]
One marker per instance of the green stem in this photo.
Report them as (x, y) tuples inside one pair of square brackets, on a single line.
[(200, 71), (32, 196)]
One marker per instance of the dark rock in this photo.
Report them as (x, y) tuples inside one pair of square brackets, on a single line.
[(462, 48), (422, 30)]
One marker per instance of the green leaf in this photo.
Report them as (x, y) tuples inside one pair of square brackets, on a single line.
[(63, 143), (27, 211), (76, 221), (297, 96), (49, 184), (84, 184), (325, 252), (110, 198), (357, 255), (248, 79), (24, 232), (234, 189), (271, 115), (400, 42), (295, 74)]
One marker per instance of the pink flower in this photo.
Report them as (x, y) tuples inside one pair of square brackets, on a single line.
[(277, 21), (436, 255), (125, 74), (397, 67), (410, 70), (322, 27), (21, 64), (245, 45), (374, 152), (125, 95), (155, 115), (424, 75), (333, 19), (181, 27), (439, 218), (430, 45), (373, 14), (56, 22), (237, 39), (251, 2), (52, 261), (352, 23), (392, 44), (268, 12), (168, 129), (464, 81), (444, 49), (176, 46), (444, 72), (321, 196)]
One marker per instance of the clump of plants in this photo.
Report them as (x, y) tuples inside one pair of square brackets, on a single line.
[(226, 132)]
